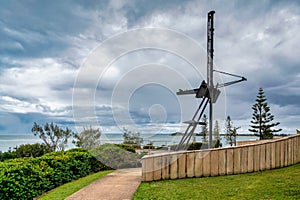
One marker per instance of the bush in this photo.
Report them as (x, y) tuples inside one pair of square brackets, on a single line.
[(32, 150), (127, 147), (115, 157), (7, 155), (148, 146), (25, 178), (192, 146)]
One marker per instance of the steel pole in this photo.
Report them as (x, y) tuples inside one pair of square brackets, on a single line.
[(210, 55)]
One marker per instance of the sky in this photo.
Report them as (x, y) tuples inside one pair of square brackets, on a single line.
[(118, 64)]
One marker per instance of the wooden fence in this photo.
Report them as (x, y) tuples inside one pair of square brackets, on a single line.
[(222, 161)]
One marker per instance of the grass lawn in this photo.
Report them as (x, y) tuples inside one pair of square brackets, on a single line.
[(67, 189), (281, 183)]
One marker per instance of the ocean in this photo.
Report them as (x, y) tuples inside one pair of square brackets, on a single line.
[(11, 141)]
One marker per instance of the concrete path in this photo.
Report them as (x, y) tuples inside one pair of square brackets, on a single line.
[(119, 185)]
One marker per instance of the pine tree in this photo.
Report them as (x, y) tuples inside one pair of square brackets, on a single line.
[(262, 125), (230, 132), (204, 129), (217, 135)]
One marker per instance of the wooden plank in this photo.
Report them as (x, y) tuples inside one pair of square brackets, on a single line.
[(298, 148), (149, 169), (198, 164), (206, 163), (222, 162), (290, 152), (256, 158), (214, 163), (173, 166), (143, 169), (190, 171), (277, 154), (244, 159), (268, 156), (250, 159), (273, 147), (298, 152), (237, 160), (262, 163), (182, 165), (165, 174), (157, 166), (295, 150), (285, 153), (229, 162), (282, 153)]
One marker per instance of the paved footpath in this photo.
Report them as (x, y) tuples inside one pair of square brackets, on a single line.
[(119, 185)]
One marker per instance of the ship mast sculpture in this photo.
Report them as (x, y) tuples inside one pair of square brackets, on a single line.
[(207, 91)]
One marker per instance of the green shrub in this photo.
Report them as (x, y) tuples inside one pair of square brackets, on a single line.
[(7, 155), (127, 147), (191, 146), (32, 150), (25, 178), (196, 146), (148, 146), (115, 157)]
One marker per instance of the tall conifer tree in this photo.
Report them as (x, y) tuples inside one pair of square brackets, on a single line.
[(262, 120)]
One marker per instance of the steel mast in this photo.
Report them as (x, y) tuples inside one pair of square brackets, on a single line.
[(207, 91), (210, 82)]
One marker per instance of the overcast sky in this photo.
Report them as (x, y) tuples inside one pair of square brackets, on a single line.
[(45, 47)]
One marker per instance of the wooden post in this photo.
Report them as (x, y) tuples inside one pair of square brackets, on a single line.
[(222, 162), (286, 153), (268, 156), (206, 163), (244, 159), (173, 166), (236, 160), (157, 166), (262, 157), (256, 158), (290, 152), (273, 153), (198, 163), (182, 165), (214, 162), (250, 159), (190, 171), (277, 154), (229, 162), (149, 169), (282, 153), (165, 174)]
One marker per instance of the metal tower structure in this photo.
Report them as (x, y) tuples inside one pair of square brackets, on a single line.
[(207, 91)]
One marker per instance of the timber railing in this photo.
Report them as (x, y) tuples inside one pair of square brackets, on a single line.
[(222, 161)]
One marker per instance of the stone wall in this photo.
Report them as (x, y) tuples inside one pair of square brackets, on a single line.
[(222, 161)]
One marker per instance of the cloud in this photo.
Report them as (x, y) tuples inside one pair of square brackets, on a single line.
[(42, 49), (39, 85)]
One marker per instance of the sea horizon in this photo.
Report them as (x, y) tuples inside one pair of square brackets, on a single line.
[(10, 141)]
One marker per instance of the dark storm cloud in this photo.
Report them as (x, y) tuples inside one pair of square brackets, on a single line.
[(43, 44)]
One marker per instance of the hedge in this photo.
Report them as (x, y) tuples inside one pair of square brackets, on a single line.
[(116, 156), (25, 178)]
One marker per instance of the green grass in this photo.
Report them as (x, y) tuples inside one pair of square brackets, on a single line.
[(272, 184), (67, 189)]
